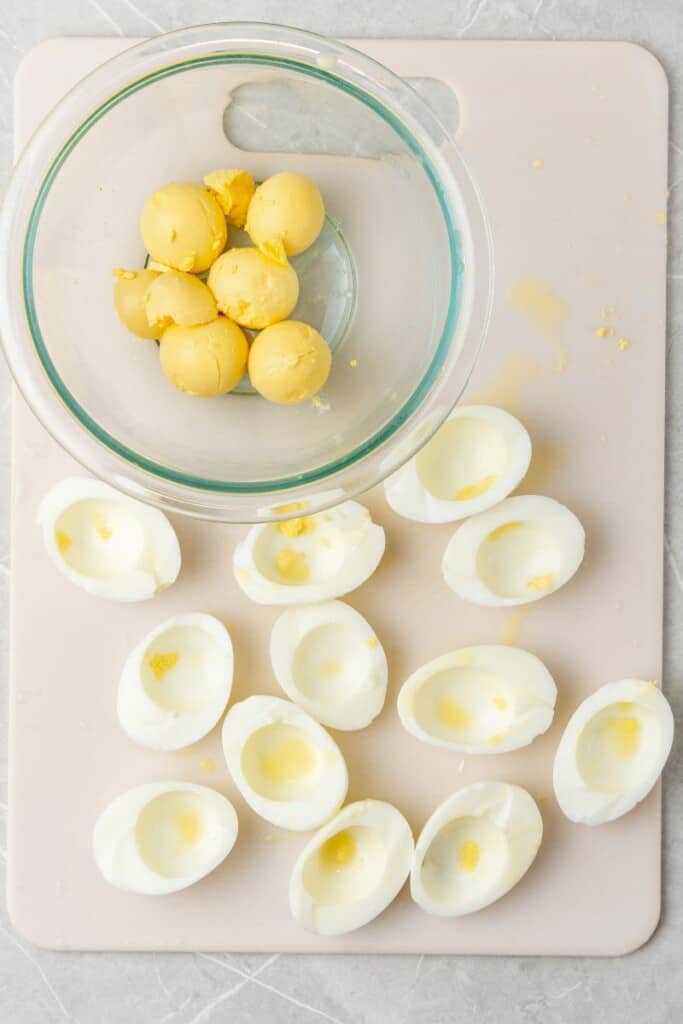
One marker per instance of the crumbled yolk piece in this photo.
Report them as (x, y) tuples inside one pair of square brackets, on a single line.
[(372, 641), (537, 164), (160, 664), (468, 855), (338, 852), (189, 827), (500, 703), (330, 667), (625, 734), (601, 332), (353, 362), (288, 761), (207, 764), (64, 541), (292, 506), (451, 714), (544, 582), (661, 217), (297, 527), (474, 490), (101, 527), (500, 531), (623, 344), (292, 565)]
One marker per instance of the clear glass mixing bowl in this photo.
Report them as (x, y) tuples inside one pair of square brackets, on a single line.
[(400, 280)]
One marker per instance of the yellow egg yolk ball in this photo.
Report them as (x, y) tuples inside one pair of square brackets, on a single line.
[(183, 226), (289, 362), (178, 298), (129, 300), (253, 290), (286, 215), (206, 360), (233, 189)]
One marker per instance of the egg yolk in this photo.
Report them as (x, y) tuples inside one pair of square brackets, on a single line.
[(287, 761), (189, 827), (233, 188), (253, 290), (474, 490), (538, 583), (338, 851), (297, 527), (64, 541), (183, 226), (292, 565), (451, 714), (625, 736), (500, 531), (468, 855), (286, 215), (160, 664), (289, 362)]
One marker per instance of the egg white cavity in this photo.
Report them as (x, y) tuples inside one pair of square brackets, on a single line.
[(327, 659), (479, 700), (351, 869), (613, 751), (107, 543), (474, 848), (176, 682), (309, 558), (520, 551), (472, 462), (287, 768), (161, 837)]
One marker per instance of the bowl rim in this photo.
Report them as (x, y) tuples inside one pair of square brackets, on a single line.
[(150, 478)]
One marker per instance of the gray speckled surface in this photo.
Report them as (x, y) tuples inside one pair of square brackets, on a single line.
[(37, 986)]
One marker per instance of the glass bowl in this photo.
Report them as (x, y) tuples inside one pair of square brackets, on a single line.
[(399, 282)]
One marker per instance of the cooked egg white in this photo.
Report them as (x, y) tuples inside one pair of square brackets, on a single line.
[(176, 682), (309, 558), (107, 543), (163, 836), (474, 848), (520, 551), (479, 700), (351, 869), (327, 658), (287, 768), (472, 462), (613, 751)]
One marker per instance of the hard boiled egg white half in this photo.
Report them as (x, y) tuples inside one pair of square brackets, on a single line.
[(520, 551), (479, 700), (287, 768), (351, 869), (107, 543), (472, 462), (163, 836), (613, 751), (474, 848), (176, 682), (309, 558), (327, 659)]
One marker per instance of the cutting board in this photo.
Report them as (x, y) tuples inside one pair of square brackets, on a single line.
[(569, 144)]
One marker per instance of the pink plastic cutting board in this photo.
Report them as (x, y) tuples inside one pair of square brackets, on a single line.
[(569, 144)]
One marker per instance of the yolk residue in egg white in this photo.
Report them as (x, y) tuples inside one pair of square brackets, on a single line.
[(64, 541), (338, 851), (288, 761), (330, 667), (539, 583), (475, 490), (189, 827), (372, 642), (500, 531), (297, 527), (292, 565), (451, 714), (468, 855), (500, 703), (102, 529), (160, 664), (625, 735)]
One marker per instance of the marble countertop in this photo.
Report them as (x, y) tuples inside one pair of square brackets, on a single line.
[(38, 987)]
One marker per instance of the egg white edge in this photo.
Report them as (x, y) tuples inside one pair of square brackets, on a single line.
[(108, 835), (399, 849), (292, 628), (257, 711), (601, 807)]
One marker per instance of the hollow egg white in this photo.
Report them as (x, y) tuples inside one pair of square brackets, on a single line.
[(286, 766), (161, 837), (520, 551), (309, 558), (327, 658), (473, 461), (479, 700), (176, 682), (107, 543), (612, 751), (351, 869), (474, 848)]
